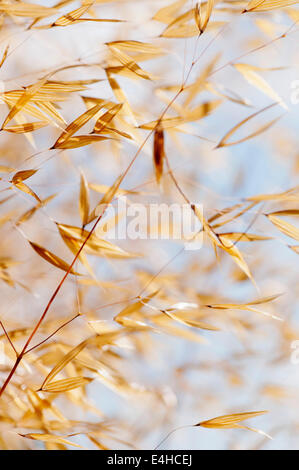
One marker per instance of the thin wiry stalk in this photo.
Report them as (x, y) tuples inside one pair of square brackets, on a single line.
[(53, 334), (52, 298)]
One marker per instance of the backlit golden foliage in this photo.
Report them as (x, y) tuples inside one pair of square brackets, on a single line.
[(108, 344)]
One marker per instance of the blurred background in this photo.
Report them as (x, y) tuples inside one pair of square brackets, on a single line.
[(158, 372)]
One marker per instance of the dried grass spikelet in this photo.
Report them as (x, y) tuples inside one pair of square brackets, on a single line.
[(158, 153)]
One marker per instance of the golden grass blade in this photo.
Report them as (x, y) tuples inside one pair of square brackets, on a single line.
[(49, 109), (65, 385), (84, 199), (256, 80), (22, 175), (50, 438), (94, 245), (197, 17), (127, 62), (4, 57), (290, 195), (120, 96), (51, 258), (40, 96), (223, 243), (28, 214), (260, 301), (242, 237), (25, 189), (76, 125), (166, 14), (223, 422), (27, 108), (27, 127), (237, 256), (106, 199), (192, 323), (194, 89), (103, 188), (229, 421), (181, 21), (249, 306), (101, 100), (24, 99), (135, 47), (124, 317), (69, 86), (62, 363), (100, 20), (194, 115), (30, 10), (97, 443), (158, 153), (285, 227), (209, 9), (223, 142), (267, 5), (231, 218), (166, 325), (106, 118), (258, 431), (6, 169), (79, 141), (262, 129), (189, 31), (113, 132), (72, 16), (229, 95), (200, 19), (290, 212), (226, 211)]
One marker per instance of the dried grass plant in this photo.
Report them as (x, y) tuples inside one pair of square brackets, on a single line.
[(112, 345)]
